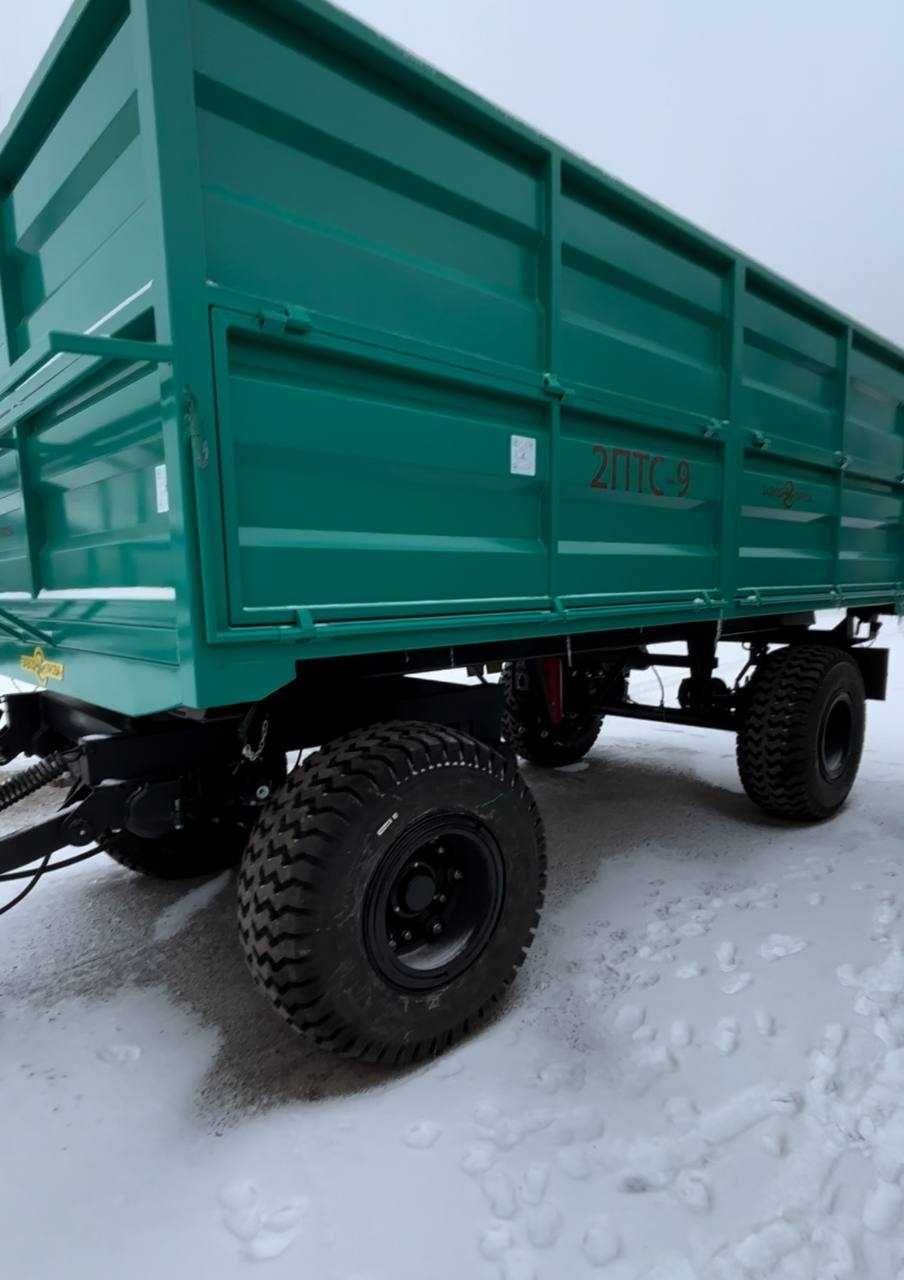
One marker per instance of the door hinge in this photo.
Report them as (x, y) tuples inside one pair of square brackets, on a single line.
[(199, 447), (284, 320)]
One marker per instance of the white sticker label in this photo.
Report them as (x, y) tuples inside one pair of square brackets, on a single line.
[(524, 456), (162, 488)]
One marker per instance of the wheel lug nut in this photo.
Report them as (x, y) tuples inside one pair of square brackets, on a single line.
[(397, 910), (407, 935), (436, 928), (441, 899), (440, 848), (456, 874), (392, 944)]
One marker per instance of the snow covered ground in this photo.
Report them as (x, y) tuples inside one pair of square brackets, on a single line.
[(698, 1076)]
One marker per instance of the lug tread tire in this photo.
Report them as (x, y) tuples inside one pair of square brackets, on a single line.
[(176, 857), (776, 742), (522, 737), (298, 852)]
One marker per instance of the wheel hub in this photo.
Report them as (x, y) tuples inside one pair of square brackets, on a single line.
[(434, 901), (417, 889), (836, 737)]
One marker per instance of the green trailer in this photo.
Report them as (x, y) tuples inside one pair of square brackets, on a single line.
[(317, 374)]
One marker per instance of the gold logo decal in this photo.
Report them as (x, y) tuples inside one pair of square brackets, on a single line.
[(43, 669)]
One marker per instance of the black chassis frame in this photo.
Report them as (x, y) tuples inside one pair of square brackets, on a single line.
[(136, 773)]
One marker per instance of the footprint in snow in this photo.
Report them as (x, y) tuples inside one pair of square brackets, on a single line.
[(562, 1075), (727, 956), (727, 1035), (774, 1140), (487, 1114), (833, 1038), (495, 1241), (601, 1242), (264, 1233), (519, 1264), (507, 1133), (500, 1192), (765, 1022), (692, 1187), (534, 1181), (688, 971), (477, 1158), (815, 899), (544, 1226), (736, 984), (116, 1054), (629, 1018), (761, 1252), (680, 1034), (656, 1059), (422, 1135), (882, 1211), (778, 945), (681, 1112)]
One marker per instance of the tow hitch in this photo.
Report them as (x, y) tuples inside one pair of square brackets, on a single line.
[(120, 778)]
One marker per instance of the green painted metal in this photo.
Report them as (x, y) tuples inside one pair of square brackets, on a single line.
[(305, 351)]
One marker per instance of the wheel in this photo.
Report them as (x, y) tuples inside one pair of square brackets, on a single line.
[(801, 734), (214, 840), (182, 855), (391, 890), (525, 722)]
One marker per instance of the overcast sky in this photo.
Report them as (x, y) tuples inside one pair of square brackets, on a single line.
[(778, 125)]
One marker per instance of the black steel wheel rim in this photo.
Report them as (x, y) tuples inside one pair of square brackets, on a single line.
[(836, 736), (434, 901)]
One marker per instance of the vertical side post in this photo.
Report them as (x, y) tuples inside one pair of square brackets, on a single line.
[(553, 273), (844, 377), (33, 532), (8, 287), (733, 454), (167, 110)]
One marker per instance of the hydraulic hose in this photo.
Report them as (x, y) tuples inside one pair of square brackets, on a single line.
[(30, 780)]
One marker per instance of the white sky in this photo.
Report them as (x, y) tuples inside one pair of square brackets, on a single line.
[(777, 125)]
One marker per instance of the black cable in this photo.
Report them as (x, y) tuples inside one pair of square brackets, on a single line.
[(28, 888), (18, 788), (54, 866)]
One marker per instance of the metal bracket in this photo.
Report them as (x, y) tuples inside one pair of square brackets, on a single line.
[(760, 440), (285, 320), (92, 344), (59, 343), (843, 461), (553, 387), (78, 824)]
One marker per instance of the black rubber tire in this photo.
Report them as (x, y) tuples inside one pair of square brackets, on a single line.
[(183, 855), (525, 726), (319, 845), (787, 707)]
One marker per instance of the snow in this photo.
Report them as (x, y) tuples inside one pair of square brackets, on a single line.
[(95, 593), (175, 917), (698, 1076)]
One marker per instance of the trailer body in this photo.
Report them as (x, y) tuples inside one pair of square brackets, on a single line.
[(307, 353)]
